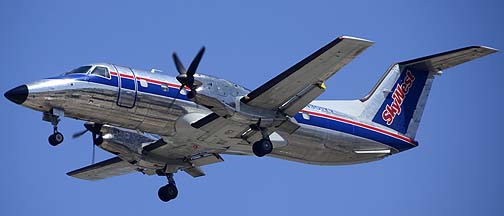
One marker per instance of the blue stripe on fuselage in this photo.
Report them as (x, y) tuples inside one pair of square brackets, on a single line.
[(354, 130), (151, 88)]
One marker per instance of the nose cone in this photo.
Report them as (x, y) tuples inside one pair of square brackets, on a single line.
[(17, 95)]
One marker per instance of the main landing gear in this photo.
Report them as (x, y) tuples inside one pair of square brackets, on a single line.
[(53, 116), (169, 191), (264, 145)]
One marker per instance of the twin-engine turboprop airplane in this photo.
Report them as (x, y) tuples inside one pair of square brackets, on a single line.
[(157, 124)]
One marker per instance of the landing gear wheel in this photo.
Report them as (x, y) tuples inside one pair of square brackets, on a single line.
[(167, 192), (262, 147), (56, 138)]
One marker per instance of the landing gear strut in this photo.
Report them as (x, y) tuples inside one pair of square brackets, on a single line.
[(56, 138), (169, 191), (264, 145)]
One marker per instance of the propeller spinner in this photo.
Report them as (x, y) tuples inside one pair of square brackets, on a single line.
[(186, 77)]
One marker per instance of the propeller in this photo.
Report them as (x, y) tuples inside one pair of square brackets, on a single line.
[(186, 77), (95, 130)]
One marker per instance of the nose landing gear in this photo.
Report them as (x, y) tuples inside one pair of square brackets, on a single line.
[(169, 191), (54, 118)]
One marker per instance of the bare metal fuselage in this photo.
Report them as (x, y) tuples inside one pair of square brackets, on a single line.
[(95, 99)]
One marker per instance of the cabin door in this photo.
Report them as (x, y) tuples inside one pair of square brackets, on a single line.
[(127, 87)]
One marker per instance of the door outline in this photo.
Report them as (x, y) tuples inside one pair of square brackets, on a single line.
[(121, 91)]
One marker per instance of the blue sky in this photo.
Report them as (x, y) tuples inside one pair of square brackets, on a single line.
[(456, 170)]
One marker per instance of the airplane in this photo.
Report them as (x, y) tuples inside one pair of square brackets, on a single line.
[(158, 124)]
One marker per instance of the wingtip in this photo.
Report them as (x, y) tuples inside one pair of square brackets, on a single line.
[(354, 38), (489, 49)]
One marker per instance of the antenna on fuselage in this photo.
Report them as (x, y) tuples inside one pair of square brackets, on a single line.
[(154, 70)]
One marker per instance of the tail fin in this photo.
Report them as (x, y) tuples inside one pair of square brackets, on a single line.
[(398, 99)]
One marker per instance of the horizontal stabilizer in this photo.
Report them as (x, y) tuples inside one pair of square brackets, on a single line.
[(104, 169), (441, 61)]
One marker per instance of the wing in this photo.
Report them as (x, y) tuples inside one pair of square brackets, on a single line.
[(145, 153), (104, 169), (300, 84)]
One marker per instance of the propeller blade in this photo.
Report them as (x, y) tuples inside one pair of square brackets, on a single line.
[(194, 64), (94, 150), (79, 134), (180, 89), (175, 98), (180, 67), (95, 129), (186, 78)]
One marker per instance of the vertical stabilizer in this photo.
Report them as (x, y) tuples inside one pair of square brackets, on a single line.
[(397, 101)]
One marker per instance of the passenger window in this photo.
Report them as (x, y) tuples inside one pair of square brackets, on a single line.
[(101, 71)]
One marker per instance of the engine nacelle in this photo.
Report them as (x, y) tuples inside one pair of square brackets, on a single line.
[(223, 97), (222, 90)]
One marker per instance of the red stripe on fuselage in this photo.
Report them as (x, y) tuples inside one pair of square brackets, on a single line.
[(147, 79), (406, 139)]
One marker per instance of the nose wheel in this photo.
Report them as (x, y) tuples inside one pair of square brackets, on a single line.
[(56, 138), (169, 191), (53, 117)]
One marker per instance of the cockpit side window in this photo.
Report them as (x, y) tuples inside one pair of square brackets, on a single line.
[(101, 71), (79, 70)]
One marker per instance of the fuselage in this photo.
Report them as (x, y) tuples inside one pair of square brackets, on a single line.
[(151, 102)]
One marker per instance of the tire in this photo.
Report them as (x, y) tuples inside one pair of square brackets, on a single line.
[(262, 147), (256, 149), (172, 191), (58, 137), (167, 192), (52, 141), (267, 146), (163, 195)]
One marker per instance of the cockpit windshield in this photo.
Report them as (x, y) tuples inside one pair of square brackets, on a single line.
[(79, 70)]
